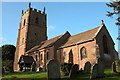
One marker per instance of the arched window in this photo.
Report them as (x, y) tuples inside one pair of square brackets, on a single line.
[(105, 44), (41, 57), (64, 55), (83, 53), (47, 55), (35, 34), (70, 57), (24, 22), (36, 57), (36, 20)]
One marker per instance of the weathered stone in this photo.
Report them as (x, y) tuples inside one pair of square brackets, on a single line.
[(73, 71), (53, 69), (87, 67), (101, 67), (94, 73)]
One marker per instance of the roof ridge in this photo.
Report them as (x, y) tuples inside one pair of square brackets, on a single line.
[(82, 37), (99, 28)]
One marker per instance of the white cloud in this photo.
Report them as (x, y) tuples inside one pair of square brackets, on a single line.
[(51, 27)]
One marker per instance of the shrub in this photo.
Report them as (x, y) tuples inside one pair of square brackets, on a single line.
[(66, 67), (3, 70)]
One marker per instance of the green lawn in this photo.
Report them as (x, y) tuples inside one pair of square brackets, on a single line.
[(43, 76)]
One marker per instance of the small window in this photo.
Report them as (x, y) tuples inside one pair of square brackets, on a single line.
[(83, 53), (24, 22), (41, 57), (36, 58), (64, 55), (47, 55), (22, 40), (60, 56), (36, 20), (35, 34)]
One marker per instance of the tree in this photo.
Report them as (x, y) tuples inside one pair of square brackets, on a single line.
[(116, 10), (8, 52)]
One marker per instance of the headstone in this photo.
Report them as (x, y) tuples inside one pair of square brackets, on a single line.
[(37, 69), (117, 65), (114, 67), (101, 67), (94, 73), (74, 70), (53, 69), (87, 67)]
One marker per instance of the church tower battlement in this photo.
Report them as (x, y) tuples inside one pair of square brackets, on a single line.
[(32, 31)]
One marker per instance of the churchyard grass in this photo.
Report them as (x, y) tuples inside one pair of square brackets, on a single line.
[(43, 76), (32, 75)]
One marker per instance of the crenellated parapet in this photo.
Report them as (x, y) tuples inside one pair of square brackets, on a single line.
[(33, 10)]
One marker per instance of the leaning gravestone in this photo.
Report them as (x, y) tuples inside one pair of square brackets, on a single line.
[(101, 67), (53, 69), (73, 71), (94, 73), (87, 67)]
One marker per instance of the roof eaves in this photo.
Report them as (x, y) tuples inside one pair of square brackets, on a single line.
[(77, 43)]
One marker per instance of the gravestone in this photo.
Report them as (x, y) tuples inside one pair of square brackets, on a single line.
[(53, 69), (101, 67), (87, 67), (74, 70), (114, 67), (94, 73), (37, 69), (117, 65)]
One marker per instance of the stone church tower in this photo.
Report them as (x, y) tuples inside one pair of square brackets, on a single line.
[(31, 32)]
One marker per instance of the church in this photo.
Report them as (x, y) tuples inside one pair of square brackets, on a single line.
[(34, 49)]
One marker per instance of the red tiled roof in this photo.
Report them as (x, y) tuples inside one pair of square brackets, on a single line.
[(50, 41), (45, 44), (81, 37)]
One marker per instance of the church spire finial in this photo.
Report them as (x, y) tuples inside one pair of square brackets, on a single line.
[(29, 4), (102, 21)]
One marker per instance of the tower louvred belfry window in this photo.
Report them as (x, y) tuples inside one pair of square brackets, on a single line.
[(24, 22), (36, 20)]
